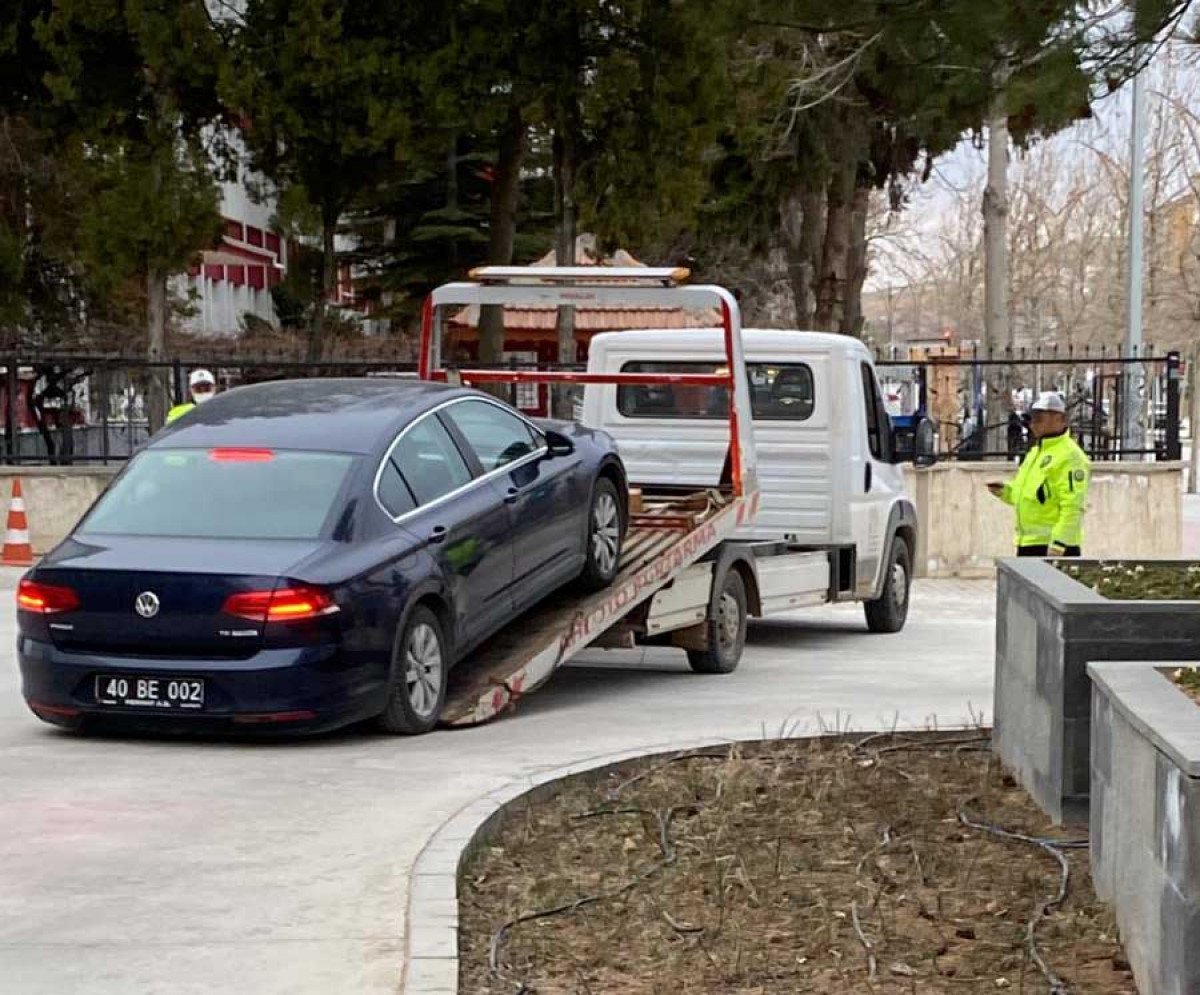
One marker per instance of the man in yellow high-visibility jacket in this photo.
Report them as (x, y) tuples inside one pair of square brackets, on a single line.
[(1049, 492), (202, 385)]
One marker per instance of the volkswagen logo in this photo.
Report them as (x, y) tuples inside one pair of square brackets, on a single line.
[(146, 604)]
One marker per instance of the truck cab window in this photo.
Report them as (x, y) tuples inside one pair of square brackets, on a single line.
[(778, 392), (878, 423)]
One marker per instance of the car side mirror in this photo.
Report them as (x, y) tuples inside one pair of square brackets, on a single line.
[(912, 440), (558, 444)]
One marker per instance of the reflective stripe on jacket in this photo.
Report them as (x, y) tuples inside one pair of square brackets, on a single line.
[(1049, 493)]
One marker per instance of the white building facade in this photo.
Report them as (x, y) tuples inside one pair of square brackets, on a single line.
[(235, 278)]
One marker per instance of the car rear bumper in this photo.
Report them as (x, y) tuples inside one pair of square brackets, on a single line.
[(306, 689)]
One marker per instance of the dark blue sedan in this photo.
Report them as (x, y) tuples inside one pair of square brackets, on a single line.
[(307, 554)]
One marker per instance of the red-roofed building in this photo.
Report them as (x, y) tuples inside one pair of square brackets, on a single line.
[(531, 337)]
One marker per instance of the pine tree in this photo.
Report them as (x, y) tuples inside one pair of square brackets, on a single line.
[(331, 92), (132, 96)]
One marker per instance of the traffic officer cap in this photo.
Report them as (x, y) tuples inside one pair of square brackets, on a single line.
[(1049, 400)]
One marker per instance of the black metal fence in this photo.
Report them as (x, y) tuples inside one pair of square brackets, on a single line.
[(980, 404), (87, 409)]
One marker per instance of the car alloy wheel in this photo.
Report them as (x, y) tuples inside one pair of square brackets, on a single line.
[(423, 669), (606, 532)]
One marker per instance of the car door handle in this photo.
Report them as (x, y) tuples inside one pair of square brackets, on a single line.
[(438, 534), (511, 495), (867, 480)]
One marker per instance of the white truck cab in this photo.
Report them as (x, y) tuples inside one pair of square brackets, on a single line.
[(828, 465)]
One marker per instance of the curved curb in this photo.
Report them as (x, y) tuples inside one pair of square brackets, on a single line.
[(431, 936)]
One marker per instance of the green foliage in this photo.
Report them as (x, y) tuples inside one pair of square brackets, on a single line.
[(149, 207), (125, 90), (329, 91), (689, 125)]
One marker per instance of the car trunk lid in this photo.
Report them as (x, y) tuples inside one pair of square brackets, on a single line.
[(128, 610)]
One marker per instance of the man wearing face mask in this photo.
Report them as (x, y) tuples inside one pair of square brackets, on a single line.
[(1049, 492), (202, 385)]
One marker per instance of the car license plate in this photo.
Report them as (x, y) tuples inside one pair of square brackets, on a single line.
[(150, 693)]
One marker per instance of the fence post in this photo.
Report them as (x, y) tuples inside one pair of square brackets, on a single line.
[(105, 392), (1174, 450), (177, 379), (10, 409)]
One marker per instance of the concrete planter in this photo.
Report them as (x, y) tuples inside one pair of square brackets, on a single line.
[(1048, 629), (1145, 821)]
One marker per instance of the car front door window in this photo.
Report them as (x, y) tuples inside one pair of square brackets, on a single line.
[(497, 437)]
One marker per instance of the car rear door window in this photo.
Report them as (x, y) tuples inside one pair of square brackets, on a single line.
[(496, 436), (429, 461), (393, 492)]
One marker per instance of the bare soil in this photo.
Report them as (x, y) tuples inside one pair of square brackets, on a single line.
[(1188, 678), (1119, 581), (828, 865)]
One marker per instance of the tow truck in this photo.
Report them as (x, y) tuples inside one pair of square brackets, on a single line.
[(707, 546)]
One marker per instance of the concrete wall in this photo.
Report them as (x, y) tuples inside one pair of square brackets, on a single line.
[(1145, 821), (1134, 510), (55, 498), (1048, 629)]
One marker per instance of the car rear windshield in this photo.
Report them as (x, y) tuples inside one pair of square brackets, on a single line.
[(222, 494), (778, 392)]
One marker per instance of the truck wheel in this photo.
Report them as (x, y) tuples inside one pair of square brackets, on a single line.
[(890, 611), (726, 627), (417, 682), (605, 536)]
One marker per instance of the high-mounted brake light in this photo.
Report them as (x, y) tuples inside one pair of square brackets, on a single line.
[(45, 599), (289, 604), (229, 455)]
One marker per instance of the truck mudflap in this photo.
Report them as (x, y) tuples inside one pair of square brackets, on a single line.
[(662, 541)]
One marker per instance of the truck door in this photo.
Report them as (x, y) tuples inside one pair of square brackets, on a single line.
[(876, 485)]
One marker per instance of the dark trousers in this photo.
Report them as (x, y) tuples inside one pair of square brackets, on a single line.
[(1045, 550)]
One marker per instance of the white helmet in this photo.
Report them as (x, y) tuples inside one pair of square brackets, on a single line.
[(202, 385), (1049, 400)]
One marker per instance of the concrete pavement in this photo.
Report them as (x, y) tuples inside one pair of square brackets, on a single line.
[(131, 866)]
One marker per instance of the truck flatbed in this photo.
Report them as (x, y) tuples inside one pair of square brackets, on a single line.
[(664, 539)]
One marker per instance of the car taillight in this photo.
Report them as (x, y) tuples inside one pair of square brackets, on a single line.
[(288, 604), (45, 599), (241, 455)]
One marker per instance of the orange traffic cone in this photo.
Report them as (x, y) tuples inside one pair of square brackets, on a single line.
[(17, 550)]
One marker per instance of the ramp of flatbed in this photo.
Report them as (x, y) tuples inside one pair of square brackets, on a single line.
[(660, 542)]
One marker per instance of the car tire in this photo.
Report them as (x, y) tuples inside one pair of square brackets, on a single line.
[(605, 537), (417, 679), (726, 627), (889, 611)]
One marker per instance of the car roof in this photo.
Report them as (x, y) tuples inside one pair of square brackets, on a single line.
[(347, 415)]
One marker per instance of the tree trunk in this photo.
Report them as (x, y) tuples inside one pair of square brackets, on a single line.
[(156, 346), (502, 227), (802, 221), (831, 286), (997, 331), (1193, 383), (856, 261), (564, 237), (316, 330)]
